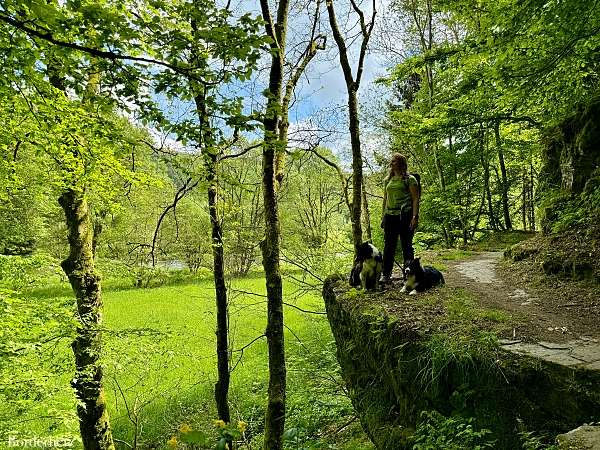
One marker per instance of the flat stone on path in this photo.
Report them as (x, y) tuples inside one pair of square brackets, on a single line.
[(583, 352), (578, 353), (481, 269)]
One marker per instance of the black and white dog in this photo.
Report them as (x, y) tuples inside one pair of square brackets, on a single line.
[(367, 267), (419, 279)]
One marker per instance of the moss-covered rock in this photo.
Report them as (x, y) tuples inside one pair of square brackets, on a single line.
[(519, 253), (394, 370), (586, 437), (552, 266)]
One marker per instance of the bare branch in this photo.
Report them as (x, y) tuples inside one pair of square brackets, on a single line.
[(241, 350), (365, 42), (181, 192), (305, 310), (243, 152)]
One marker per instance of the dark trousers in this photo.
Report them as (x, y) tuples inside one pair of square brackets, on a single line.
[(394, 227)]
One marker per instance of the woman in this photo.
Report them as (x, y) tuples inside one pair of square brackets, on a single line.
[(400, 213)]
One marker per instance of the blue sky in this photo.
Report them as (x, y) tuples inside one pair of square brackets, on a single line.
[(321, 96)]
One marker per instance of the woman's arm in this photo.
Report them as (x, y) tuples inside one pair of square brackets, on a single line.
[(384, 204), (414, 194)]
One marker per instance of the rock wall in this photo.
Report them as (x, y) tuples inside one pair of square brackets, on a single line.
[(393, 371), (572, 152), (570, 162)]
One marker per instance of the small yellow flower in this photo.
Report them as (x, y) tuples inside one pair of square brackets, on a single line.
[(219, 423), (185, 428), (242, 426), (172, 443)]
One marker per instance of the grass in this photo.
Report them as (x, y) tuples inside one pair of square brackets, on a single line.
[(159, 368)]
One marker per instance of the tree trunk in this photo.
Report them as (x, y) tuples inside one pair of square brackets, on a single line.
[(486, 182), (366, 214), (531, 199), (505, 209), (275, 414), (222, 384), (488, 195), (357, 175), (98, 226), (87, 347), (94, 423), (525, 200), (210, 164), (352, 85)]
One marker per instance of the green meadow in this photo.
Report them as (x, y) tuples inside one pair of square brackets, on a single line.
[(160, 367)]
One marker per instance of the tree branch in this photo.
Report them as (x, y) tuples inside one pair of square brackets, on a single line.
[(104, 54)]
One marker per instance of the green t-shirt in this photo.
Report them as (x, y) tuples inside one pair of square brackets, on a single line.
[(398, 198)]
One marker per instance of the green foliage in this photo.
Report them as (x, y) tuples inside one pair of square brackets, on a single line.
[(19, 272), (193, 439), (498, 241), (36, 365), (533, 441), (564, 211), (489, 80), (435, 431)]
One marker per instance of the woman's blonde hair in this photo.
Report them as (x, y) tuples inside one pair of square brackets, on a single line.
[(403, 161)]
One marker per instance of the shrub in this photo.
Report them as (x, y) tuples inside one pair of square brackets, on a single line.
[(18, 272), (436, 431)]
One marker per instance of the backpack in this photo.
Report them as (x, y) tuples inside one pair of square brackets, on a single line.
[(418, 178)]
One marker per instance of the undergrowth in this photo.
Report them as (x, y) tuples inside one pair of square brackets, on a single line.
[(436, 431), (469, 357)]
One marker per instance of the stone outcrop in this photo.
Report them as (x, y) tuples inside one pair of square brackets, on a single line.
[(586, 437), (395, 369)]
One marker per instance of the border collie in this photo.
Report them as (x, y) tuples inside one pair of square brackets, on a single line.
[(419, 279), (367, 267)]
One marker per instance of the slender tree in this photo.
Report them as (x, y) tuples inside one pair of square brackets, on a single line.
[(79, 267), (275, 124), (316, 42), (504, 185), (352, 86), (275, 415)]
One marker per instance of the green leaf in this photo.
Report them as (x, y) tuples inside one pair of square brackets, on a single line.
[(195, 437)]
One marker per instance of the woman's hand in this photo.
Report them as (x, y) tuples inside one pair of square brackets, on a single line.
[(414, 222)]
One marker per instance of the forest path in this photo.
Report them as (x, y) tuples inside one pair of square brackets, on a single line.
[(543, 326)]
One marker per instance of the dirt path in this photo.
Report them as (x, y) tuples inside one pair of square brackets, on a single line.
[(547, 324)]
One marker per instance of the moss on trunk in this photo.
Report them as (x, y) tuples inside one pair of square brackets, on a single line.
[(87, 347)]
